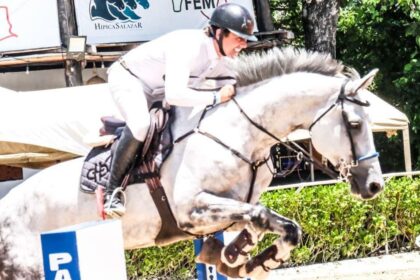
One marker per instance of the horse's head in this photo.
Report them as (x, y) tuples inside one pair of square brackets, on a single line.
[(341, 132)]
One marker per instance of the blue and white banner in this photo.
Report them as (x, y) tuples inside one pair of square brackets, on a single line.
[(91, 250), (114, 21), (28, 24)]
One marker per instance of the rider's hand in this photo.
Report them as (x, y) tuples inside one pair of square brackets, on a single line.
[(226, 93)]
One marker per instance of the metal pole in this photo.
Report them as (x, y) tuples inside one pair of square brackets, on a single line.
[(67, 22), (311, 164), (407, 151)]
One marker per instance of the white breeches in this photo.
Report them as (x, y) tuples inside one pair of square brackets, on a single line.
[(128, 94)]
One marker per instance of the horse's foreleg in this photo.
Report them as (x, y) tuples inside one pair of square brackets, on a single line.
[(210, 254), (271, 258), (257, 268), (237, 252), (211, 209)]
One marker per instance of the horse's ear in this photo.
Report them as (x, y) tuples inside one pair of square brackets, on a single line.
[(362, 83)]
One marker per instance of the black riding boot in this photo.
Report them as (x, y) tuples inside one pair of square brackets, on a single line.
[(123, 157)]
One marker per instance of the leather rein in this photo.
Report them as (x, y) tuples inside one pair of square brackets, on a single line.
[(294, 147), (255, 165)]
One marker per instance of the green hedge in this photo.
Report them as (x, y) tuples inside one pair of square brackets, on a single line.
[(336, 226)]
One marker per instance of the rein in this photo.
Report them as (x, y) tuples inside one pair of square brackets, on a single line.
[(301, 153), (254, 165)]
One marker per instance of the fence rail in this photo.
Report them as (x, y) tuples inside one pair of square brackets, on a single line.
[(299, 186)]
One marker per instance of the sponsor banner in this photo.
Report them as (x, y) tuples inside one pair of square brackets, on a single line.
[(91, 250), (114, 21), (28, 24)]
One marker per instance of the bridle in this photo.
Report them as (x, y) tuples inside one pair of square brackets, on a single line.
[(344, 167)]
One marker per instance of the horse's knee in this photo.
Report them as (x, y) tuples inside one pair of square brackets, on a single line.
[(260, 218), (293, 234)]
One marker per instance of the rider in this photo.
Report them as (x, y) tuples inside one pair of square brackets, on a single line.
[(164, 68)]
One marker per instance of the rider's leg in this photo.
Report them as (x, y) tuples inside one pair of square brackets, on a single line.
[(123, 157), (129, 97)]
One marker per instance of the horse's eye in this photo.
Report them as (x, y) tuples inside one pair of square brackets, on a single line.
[(355, 124)]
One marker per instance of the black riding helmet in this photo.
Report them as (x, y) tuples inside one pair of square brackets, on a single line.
[(234, 18)]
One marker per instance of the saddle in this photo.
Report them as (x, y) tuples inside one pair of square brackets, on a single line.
[(157, 147)]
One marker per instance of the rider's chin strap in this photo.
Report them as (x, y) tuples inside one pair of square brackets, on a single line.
[(220, 43)]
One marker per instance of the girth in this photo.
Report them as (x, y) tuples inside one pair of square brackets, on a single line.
[(148, 168)]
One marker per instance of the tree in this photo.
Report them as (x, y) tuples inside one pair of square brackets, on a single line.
[(263, 14), (386, 35), (371, 34), (320, 19)]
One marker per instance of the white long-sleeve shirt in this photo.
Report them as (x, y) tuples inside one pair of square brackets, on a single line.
[(167, 64)]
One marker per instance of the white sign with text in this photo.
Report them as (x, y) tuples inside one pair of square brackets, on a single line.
[(114, 21)]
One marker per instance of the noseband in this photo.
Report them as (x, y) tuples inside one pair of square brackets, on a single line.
[(343, 167)]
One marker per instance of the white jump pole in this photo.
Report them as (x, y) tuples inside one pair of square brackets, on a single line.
[(92, 250)]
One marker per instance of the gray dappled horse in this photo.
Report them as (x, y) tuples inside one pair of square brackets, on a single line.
[(208, 185)]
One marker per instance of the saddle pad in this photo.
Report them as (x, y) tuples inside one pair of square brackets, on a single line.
[(97, 165), (96, 169)]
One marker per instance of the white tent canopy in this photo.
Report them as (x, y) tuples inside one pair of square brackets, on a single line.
[(51, 125), (53, 122)]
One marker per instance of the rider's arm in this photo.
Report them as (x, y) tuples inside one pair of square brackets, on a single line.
[(179, 62)]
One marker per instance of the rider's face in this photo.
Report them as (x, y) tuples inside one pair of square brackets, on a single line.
[(232, 44)]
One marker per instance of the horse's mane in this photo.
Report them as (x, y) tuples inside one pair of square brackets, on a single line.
[(259, 66)]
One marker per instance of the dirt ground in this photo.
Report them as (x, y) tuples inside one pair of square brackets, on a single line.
[(405, 266)]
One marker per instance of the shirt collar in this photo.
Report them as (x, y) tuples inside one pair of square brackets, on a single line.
[(210, 49)]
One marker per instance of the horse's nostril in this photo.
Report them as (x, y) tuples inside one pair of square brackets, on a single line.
[(375, 187)]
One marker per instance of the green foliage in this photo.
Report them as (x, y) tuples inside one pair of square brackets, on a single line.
[(287, 15), (335, 225), (338, 226), (171, 262), (386, 35), (375, 34)]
